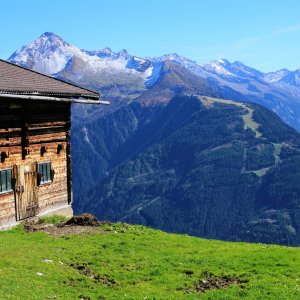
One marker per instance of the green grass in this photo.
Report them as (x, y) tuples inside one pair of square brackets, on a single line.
[(277, 151), (261, 172), (135, 262), (54, 219), (250, 123), (247, 118)]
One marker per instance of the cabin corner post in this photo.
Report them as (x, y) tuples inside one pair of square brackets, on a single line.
[(69, 157)]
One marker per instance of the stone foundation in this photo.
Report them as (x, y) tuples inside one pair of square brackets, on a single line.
[(65, 211)]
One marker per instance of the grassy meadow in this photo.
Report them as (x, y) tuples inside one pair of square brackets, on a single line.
[(122, 261)]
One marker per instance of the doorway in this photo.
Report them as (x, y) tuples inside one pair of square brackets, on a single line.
[(26, 191)]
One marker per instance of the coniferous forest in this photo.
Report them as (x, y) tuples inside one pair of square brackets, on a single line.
[(202, 167)]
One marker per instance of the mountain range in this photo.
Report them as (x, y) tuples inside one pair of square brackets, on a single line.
[(185, 147), (121, 77)]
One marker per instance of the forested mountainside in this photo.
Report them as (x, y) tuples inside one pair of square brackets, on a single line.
[(199, 165)]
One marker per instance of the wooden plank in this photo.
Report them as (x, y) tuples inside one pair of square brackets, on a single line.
[(61, 136), (42, 125)]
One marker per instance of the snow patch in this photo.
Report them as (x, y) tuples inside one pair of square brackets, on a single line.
[(154, 74)]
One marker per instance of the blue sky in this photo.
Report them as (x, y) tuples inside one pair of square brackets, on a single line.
[(264, 34)]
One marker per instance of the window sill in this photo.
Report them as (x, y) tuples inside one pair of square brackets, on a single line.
[(45, 183)]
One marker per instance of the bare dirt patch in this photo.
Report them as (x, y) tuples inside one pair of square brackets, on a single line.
[(85, 220), (82, 224), (211, 282), (100, 279), (57, 230)]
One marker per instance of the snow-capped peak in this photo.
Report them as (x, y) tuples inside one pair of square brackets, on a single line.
[(276, 76), (218, 66), (138, 64), (235, 69), (48, 54), (51, 38), (176, 58), (51, 55), (223, 61), (108, 53)]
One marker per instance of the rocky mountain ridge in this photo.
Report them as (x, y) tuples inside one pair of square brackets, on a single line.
[(50, 54)]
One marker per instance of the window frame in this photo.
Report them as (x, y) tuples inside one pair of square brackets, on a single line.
[(11, 187), (48, 172)]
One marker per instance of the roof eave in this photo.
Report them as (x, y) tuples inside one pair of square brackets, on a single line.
[(51, 94), (35, 97)]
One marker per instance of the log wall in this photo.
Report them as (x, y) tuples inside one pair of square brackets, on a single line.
[(31, 133)]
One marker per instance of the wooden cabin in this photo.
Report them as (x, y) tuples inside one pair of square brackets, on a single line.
[(35, 149)]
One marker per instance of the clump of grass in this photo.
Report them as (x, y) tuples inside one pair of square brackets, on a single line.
[(54, 219)]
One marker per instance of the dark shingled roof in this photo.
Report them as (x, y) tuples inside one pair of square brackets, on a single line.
[(21, 81)]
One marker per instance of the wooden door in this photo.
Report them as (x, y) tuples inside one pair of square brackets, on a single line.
[(27, 200)]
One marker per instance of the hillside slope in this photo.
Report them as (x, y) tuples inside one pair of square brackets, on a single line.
[(133, 262), (100, 143), (202, 166)]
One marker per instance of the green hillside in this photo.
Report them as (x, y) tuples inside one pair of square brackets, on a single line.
[(201, 166), (133, 262)]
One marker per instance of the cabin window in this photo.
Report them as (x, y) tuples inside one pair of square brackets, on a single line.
[(45, 171), (5, 180)]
